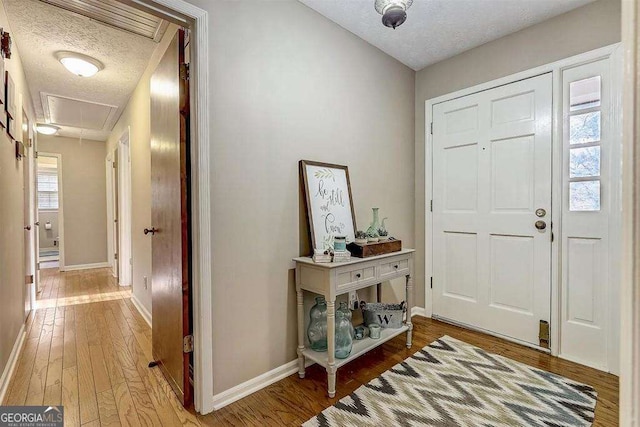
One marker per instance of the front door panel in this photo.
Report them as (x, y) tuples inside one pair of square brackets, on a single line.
[(491, 172)]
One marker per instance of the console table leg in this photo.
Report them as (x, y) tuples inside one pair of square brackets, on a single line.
[(331, 347), (409, 306), (301, 370)]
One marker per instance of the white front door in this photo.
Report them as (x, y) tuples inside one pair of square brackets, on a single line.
[(491, 184)]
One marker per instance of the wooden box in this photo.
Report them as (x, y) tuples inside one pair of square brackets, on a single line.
[(372, 249)]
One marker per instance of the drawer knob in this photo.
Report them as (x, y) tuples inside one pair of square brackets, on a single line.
[(395, 266), (358, 275)]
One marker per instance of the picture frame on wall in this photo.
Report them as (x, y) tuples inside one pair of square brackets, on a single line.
[(10, 97), (329, 203), (3, 114), (11, 128)]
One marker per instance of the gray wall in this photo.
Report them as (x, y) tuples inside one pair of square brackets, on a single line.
[(287, 84), (580, 30), (48, 237), (84, 197), (12, 221)]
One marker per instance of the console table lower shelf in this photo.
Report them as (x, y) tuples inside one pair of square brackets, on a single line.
[(333, 279), (360, 347)]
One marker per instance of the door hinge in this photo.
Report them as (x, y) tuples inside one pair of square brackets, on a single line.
[(115, 257), (432, 283), (35, 154), (543, 335), (431, 205), (431, 128), (187, 344), (184, 71), (29, 279), (115, 165)]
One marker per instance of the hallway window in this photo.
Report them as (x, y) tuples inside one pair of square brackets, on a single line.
[(47, 183)]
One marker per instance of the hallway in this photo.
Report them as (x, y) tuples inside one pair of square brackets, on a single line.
[(87, 348)]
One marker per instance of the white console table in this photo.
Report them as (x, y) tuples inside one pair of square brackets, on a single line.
[(333, 279)]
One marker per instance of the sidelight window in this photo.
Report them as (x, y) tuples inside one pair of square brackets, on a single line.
[(585, 118)]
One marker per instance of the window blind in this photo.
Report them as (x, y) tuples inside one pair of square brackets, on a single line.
[(47, 188)]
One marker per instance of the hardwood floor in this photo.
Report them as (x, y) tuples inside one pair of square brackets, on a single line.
[(87, 348)]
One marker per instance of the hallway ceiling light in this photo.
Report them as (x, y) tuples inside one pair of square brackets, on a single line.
[(79, 64), (47, 129), (394, 12)]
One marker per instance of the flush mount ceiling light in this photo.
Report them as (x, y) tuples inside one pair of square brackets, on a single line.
[(47, 129), (394, 12), (79, 64)]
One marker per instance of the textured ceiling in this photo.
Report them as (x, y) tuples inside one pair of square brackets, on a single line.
[(439, 29), (40, 30)]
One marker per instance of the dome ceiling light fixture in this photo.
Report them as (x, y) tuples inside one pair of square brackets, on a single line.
[(79, 64), (46, 129), (394, 12)]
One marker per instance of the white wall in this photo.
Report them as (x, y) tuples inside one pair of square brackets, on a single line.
[(580, 30), (84, 195)]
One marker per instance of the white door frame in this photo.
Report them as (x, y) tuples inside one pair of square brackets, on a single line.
[(630, 285), (197, 20), (125, 217), (556, 211), (111, 211), (60, 208)]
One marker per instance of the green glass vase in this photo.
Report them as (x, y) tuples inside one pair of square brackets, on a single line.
[(375, 225)]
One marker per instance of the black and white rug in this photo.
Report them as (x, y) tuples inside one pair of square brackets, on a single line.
[(452, 383)]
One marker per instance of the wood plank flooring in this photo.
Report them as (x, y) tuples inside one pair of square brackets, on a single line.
[(87, 348)]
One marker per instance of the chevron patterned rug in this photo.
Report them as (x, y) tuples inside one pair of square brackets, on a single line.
[(452, 383)]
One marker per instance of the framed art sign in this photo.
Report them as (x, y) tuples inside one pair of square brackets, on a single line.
[(329, 203)]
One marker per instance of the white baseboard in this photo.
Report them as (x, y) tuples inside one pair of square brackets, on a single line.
[(141, 309), (84, 266), (12, 363), (418, 311), (227, 397)]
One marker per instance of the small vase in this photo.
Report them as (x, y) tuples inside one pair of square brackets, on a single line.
[(344, 340), (317, 330), (373, 228)]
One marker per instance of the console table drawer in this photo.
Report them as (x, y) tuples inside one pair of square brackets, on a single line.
[(348, 278), (394, 267)]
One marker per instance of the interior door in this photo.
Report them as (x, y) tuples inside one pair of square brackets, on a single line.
[(170, 220), (28, 227), (492, 209)]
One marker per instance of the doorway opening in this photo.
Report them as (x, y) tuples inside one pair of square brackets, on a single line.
[(50, 219), (82, 279)]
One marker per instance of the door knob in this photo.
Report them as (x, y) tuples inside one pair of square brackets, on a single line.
[(151, 230), (27, 227), (541, 225)]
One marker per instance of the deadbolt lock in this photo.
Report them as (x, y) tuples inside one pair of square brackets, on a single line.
[(540, 213), (541, 225)]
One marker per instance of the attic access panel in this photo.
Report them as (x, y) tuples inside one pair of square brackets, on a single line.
[(77, 113)]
